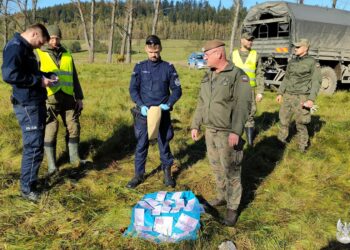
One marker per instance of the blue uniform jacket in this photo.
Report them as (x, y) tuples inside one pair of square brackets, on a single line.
[(151, 83), (20, 69)]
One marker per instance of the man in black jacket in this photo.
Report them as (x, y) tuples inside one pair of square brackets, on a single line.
[(20, 69)]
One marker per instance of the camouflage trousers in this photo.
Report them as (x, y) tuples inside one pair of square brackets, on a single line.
[(61, 104), (250, 123), (226, 164), (292, 105)]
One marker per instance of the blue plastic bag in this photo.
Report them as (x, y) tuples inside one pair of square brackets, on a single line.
[(166, 217)]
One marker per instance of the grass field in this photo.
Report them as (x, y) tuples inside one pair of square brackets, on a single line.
[(290, 201)]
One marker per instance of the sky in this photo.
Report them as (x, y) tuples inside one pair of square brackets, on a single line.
[(341, 4)]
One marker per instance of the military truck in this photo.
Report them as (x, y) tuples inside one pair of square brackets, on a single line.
[(277, 25)]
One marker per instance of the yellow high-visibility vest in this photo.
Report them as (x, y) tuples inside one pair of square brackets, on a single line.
[(249, 67), (64, 73)]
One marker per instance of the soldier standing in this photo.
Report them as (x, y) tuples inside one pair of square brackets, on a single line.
[(299, 89), (154, 82), (249, 60), (223, 107), (64, 98)]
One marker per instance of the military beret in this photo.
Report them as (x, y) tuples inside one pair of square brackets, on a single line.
[(302, 42), (247, 35), (212, 44), (54, 30), (153, 40)]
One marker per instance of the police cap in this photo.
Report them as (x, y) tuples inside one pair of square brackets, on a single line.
[(153, 40)]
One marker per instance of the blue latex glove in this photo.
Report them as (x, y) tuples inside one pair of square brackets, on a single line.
[(144, 110), (164, 107)]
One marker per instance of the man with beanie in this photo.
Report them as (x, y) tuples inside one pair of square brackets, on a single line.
[(249, 60), (223, 108), (64, 98), (154, 83), (20, 70)]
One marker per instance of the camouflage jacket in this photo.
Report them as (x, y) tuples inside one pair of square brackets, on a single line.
[(302, 77), (224, 100)]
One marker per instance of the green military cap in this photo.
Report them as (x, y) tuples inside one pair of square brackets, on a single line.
[(247, 36), (302, 42), (212, 44), (54, 30)]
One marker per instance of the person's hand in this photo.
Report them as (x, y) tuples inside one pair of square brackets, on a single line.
[(258, 97), (194, 134), (164, 107), (279, 98), (79, 105), (46, 82), (233, 139), (308, 104), (144, 110)]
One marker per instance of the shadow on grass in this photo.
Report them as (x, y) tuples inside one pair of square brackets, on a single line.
[(189, 155), (265, 121), (334, 245), (119, 145), (259, 161)]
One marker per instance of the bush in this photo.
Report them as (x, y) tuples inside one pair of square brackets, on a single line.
[(100, 47), (73, 46)]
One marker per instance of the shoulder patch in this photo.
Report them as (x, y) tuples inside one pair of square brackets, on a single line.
[(244, 79), (177, 82)]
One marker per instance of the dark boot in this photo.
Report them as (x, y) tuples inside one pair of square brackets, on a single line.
[(168, 179), (231, 217), (250, 135), (135, 181), (51, 160), (217, 202)]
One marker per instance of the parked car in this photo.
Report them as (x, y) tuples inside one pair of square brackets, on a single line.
[(196, 60)]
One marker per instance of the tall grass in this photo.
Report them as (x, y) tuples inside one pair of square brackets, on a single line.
[(290, 201)]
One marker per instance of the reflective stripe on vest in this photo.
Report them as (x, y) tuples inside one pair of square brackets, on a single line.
[(64, 73), (249, 67)]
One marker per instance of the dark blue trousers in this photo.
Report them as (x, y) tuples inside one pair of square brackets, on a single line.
[(32, 122), (166, 133)]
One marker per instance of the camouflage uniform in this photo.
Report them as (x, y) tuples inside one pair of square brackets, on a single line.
[(223, 107), (301, 83), (259, 89)]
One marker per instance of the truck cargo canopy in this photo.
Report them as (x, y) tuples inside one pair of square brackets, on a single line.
[(324, 27)]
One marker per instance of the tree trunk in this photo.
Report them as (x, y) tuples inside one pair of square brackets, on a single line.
[(92, 33), (23, 6), (334, 4), (235, 25), (78, 4), (125, 31), (129, 36), (111, 33), (4, 7), (34, 5), (155, 18)]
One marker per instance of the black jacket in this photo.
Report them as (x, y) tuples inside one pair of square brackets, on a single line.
[(20, 69)]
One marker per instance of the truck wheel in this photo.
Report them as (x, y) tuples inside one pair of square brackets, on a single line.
[(329, 81)]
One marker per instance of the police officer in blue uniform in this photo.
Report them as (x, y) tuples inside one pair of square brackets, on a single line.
[(154, 82), (20, 69)]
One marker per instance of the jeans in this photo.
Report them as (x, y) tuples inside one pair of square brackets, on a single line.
[(32, 122)]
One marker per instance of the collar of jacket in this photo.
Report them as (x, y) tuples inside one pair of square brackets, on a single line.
[(26, 43), (229, 67), (50, 50)]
